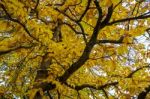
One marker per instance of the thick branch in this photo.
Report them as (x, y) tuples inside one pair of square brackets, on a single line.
[(84, 57), (109, 14)]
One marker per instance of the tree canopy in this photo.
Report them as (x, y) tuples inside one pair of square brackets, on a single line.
[(74, 49)]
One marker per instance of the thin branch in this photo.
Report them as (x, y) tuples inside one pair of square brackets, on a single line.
[(65, 15), (13, 49), (78, 95), (100, 87), (83, 32), (49, 95), (37, 3), (58, 94), (74, 15), (88, 24), (111, 41), (132, 73), (72, 28), (61, 4), (17, 21), (62, 66), (143, 16), (117, 4), (79, 24), (105, 93), (86, 9), (92, 93)]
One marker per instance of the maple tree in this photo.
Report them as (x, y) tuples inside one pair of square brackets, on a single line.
[(78, 49)]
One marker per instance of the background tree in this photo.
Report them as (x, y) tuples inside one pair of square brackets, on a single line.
[(79, 49)]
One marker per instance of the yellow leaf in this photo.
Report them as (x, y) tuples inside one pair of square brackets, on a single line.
[(32, 93), (115, 2), (127, 40), (122, 49), (106, 3)]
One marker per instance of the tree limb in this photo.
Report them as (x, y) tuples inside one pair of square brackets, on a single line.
[(108, 16)]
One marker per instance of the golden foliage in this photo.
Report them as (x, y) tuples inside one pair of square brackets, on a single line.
[(61, 49)]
